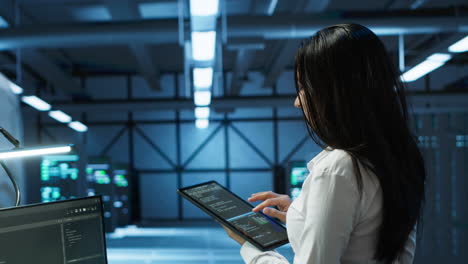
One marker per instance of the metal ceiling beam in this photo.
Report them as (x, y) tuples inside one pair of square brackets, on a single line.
[(282, 58), (419, 102), (37, 61), (128, 10), (52, 73), (245, 56), (146, 66), (90, 34), (244, 59), (288, 48), (27, 76), (166, 31), (302, 26)]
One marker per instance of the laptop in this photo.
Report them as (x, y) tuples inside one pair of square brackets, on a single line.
[(63, 232)]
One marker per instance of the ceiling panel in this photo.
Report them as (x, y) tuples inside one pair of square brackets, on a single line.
[(88, 13), (108, 58), (160, 9), (48, 13), (348, 5), (170, 57), (59, 2), (238, 7), (443, 3)]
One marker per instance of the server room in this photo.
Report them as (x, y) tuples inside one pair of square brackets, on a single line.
[(233, 131)]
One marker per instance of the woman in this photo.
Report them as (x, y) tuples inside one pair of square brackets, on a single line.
[(365, 191)]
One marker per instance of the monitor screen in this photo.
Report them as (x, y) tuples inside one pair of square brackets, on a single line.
[(121, 194), (99, 182), (54, 233), (59, 177), (298, 174)]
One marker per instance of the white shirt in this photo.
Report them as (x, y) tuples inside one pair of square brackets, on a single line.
[(328, 223)]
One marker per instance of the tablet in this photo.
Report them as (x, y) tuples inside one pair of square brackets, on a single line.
[(229, 209)]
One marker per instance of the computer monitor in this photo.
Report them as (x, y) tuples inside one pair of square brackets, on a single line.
[(61, 232), (297, 174), (99, 182), (122, 197), (60, 177)]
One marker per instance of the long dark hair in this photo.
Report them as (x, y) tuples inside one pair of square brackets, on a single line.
[(353, 99)]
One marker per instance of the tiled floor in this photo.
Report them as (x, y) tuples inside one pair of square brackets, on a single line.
[(175, 245)]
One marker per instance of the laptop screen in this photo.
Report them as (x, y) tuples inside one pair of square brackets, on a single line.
[(54, 233)]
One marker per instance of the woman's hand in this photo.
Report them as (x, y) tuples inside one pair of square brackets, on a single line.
[(282, 202)]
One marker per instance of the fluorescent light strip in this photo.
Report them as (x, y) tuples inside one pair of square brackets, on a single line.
[(202, 112), (3, 23), (202, 77), (459, 46), (441, 57), (78, 126), (203, 45), (15, 88), (202, 98), (34, 152), (432, 63), (204, 7), (202, 123), (272, 7), (36, 102), (4, 81), (60, 116)]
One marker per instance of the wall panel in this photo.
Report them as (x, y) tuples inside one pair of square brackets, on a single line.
[(246, 183), (243, 155), (151, 138), (158, 197), (140, 88), (114, 87), (211, 155)]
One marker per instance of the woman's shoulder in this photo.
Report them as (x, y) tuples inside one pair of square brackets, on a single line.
[(338, 164), (334, 161)]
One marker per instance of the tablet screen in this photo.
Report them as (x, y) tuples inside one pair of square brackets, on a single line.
[(230, 208)]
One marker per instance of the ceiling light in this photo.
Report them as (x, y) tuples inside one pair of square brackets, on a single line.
[(432, 62), (78, 126), (202, 123), (36, 102), (4, 81), (204, 7), (202, 77), (3, 23), (15, 88), (202, 112), (441, 57), (272, 7), (28, 152), (202, 98), (203, 45), (60, 116), (459, 46)]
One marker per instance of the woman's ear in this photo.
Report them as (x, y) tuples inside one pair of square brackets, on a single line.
[(297, 104)]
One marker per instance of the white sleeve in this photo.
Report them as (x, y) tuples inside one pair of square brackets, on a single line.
[(331, 203), (410, 246), (253, 255)]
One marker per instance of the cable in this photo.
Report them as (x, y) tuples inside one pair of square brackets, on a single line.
[(10, 138), (13, 181), (16, 143)]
